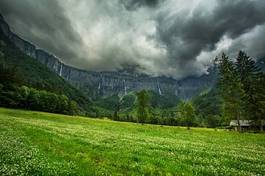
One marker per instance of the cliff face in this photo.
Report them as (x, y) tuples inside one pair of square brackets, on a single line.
[(96, 84)]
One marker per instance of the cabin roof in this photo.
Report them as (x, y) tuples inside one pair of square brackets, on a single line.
[(243, 123)]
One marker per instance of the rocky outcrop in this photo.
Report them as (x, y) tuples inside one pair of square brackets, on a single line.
[(96, 84)]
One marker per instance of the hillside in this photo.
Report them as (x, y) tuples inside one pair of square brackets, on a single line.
[(35, 143), (126, 104), (36, 75)]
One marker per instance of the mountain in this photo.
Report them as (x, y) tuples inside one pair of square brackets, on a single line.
[(32, 72), (97, 84)]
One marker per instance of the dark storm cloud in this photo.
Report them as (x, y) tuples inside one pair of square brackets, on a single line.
[(186, 36), (134, 4), (176, 38), (44, 23)]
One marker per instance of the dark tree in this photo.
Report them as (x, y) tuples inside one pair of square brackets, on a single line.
[(252, 80), (187, 113), (142, 106), (231, 89)]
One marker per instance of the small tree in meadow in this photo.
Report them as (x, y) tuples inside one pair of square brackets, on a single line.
[(187, 113), (142, 106)]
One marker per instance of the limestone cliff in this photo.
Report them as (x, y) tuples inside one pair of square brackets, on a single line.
[(96, 84)]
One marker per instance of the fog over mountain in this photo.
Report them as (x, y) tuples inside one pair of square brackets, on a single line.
[(175, 38)]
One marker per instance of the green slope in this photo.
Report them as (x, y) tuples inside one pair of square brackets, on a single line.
[(127, 104), (209, 106), (36, 75), (33, 143)]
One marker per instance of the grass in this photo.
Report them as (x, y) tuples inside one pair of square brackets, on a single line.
[(34, 143)]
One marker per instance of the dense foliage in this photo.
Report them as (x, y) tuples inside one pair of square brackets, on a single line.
[(242, 88), (30, 98), (209, 108), (15, 96), (187, 112)]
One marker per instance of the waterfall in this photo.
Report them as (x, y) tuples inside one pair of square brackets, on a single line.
[(125, 88), (159, 89), (61, 69), (99, 86)]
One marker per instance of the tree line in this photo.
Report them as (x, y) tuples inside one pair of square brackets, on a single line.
[(183, 115), (242, 86), (12, 95)]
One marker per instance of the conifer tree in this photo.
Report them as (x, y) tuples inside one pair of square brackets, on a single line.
[(231, 89), (142, 106), (252, 80)]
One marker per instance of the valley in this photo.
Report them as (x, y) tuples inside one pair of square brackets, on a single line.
[(132, 87)]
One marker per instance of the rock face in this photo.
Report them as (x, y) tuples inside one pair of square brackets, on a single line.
[(261, 64), (96, 84)]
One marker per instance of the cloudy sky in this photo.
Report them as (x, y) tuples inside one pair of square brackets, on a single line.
[(175, 38)]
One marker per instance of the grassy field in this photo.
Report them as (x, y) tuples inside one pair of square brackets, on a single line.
[(33, 143)]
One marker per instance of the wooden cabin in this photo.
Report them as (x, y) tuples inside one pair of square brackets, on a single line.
[(246, 125)]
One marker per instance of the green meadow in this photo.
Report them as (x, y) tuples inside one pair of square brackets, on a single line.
[(36, 143)]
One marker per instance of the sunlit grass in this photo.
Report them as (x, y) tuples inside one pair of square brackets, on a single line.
[(48, 144)]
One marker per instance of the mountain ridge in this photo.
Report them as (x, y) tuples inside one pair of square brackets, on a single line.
[(97, 84)]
